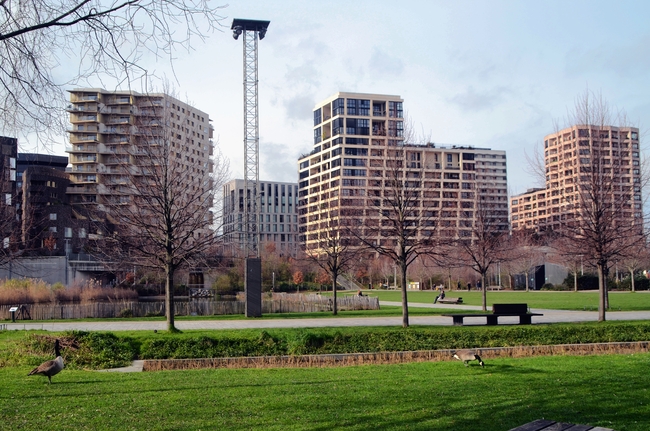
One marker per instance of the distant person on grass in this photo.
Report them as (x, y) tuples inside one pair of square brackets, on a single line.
[(441, 296)]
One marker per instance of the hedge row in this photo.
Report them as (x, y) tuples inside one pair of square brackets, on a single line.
[(105, 350), (318, 341)]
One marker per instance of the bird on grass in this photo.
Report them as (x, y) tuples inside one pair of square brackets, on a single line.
[(468, 355), (51, 367)]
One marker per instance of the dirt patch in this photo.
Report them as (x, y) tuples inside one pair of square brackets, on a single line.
[(351, 359)]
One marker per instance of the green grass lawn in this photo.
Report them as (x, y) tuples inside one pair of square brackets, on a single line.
[(625, 301), (610, 391)]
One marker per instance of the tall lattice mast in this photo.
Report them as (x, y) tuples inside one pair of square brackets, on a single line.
[(252, 31)]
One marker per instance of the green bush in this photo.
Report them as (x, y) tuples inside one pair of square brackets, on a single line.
[(640, 283), (323, 341), (585, 282), (126, 313), (94, 350)]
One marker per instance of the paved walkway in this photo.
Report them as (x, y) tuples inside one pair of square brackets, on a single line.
[(550, 316)]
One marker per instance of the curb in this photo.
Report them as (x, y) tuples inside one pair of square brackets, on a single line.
[(352, 359)]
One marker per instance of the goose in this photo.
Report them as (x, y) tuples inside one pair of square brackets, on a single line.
[(51, 367), (468, 355)]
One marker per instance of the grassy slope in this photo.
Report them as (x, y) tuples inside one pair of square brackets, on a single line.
[(625, 301), (610, 391)]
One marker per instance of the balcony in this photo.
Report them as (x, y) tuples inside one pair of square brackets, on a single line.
[(117, 120), (80, 138), (81, 190), (84, 168), (85, 159), (83, 148)]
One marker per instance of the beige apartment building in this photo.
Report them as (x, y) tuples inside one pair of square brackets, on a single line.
[(568, 155), (358, 142), (276, 211), (110, 131)]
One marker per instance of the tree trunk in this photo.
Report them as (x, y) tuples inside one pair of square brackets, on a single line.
[(601, 292), (575, 280), (632, 280), (334, 308), (169, 298), (527, 288), (405, 305), (484, 291)]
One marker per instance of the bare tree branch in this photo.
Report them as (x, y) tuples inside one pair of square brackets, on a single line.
[(104, 38)]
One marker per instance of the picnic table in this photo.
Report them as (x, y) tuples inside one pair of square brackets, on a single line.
[(548, 425)]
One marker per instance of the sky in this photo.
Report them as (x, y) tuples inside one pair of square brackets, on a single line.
[(490, 74)]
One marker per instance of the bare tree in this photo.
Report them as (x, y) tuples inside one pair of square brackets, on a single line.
[(107, 38), (408, 226), (524, 254), (635, 260), (604, 220), (487, 244), (164, 216), (334, 252)]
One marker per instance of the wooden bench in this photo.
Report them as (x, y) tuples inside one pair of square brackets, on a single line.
[(450, 300), (520, 310), (543, 424)]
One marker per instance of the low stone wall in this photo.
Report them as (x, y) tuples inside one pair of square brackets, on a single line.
[(351, 359)]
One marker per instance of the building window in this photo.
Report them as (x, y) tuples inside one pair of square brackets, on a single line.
[(337, 107), (52, 216), (68, 232), (52, 229), (395, 110), (82, 232), (317, 117)]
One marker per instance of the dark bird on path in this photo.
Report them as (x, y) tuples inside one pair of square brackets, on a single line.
[(468, 355), (51, 367)]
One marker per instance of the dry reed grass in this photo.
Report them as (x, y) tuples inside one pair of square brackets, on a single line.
[(30, 291), (352, 359), (25, 291)]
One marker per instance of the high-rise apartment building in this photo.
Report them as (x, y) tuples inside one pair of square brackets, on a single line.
[(359, 143), (570, 157), (277, 214), (8, 222), (111, 131)]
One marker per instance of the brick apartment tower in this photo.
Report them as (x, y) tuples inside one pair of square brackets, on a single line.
[(566, 153), (354, 135)]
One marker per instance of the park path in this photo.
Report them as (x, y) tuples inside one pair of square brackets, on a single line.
[(550, 316)]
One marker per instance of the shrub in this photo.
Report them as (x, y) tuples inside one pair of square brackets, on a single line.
[(324, 341), (585, 282), (126, 313), (640, 283), (79, 349)]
